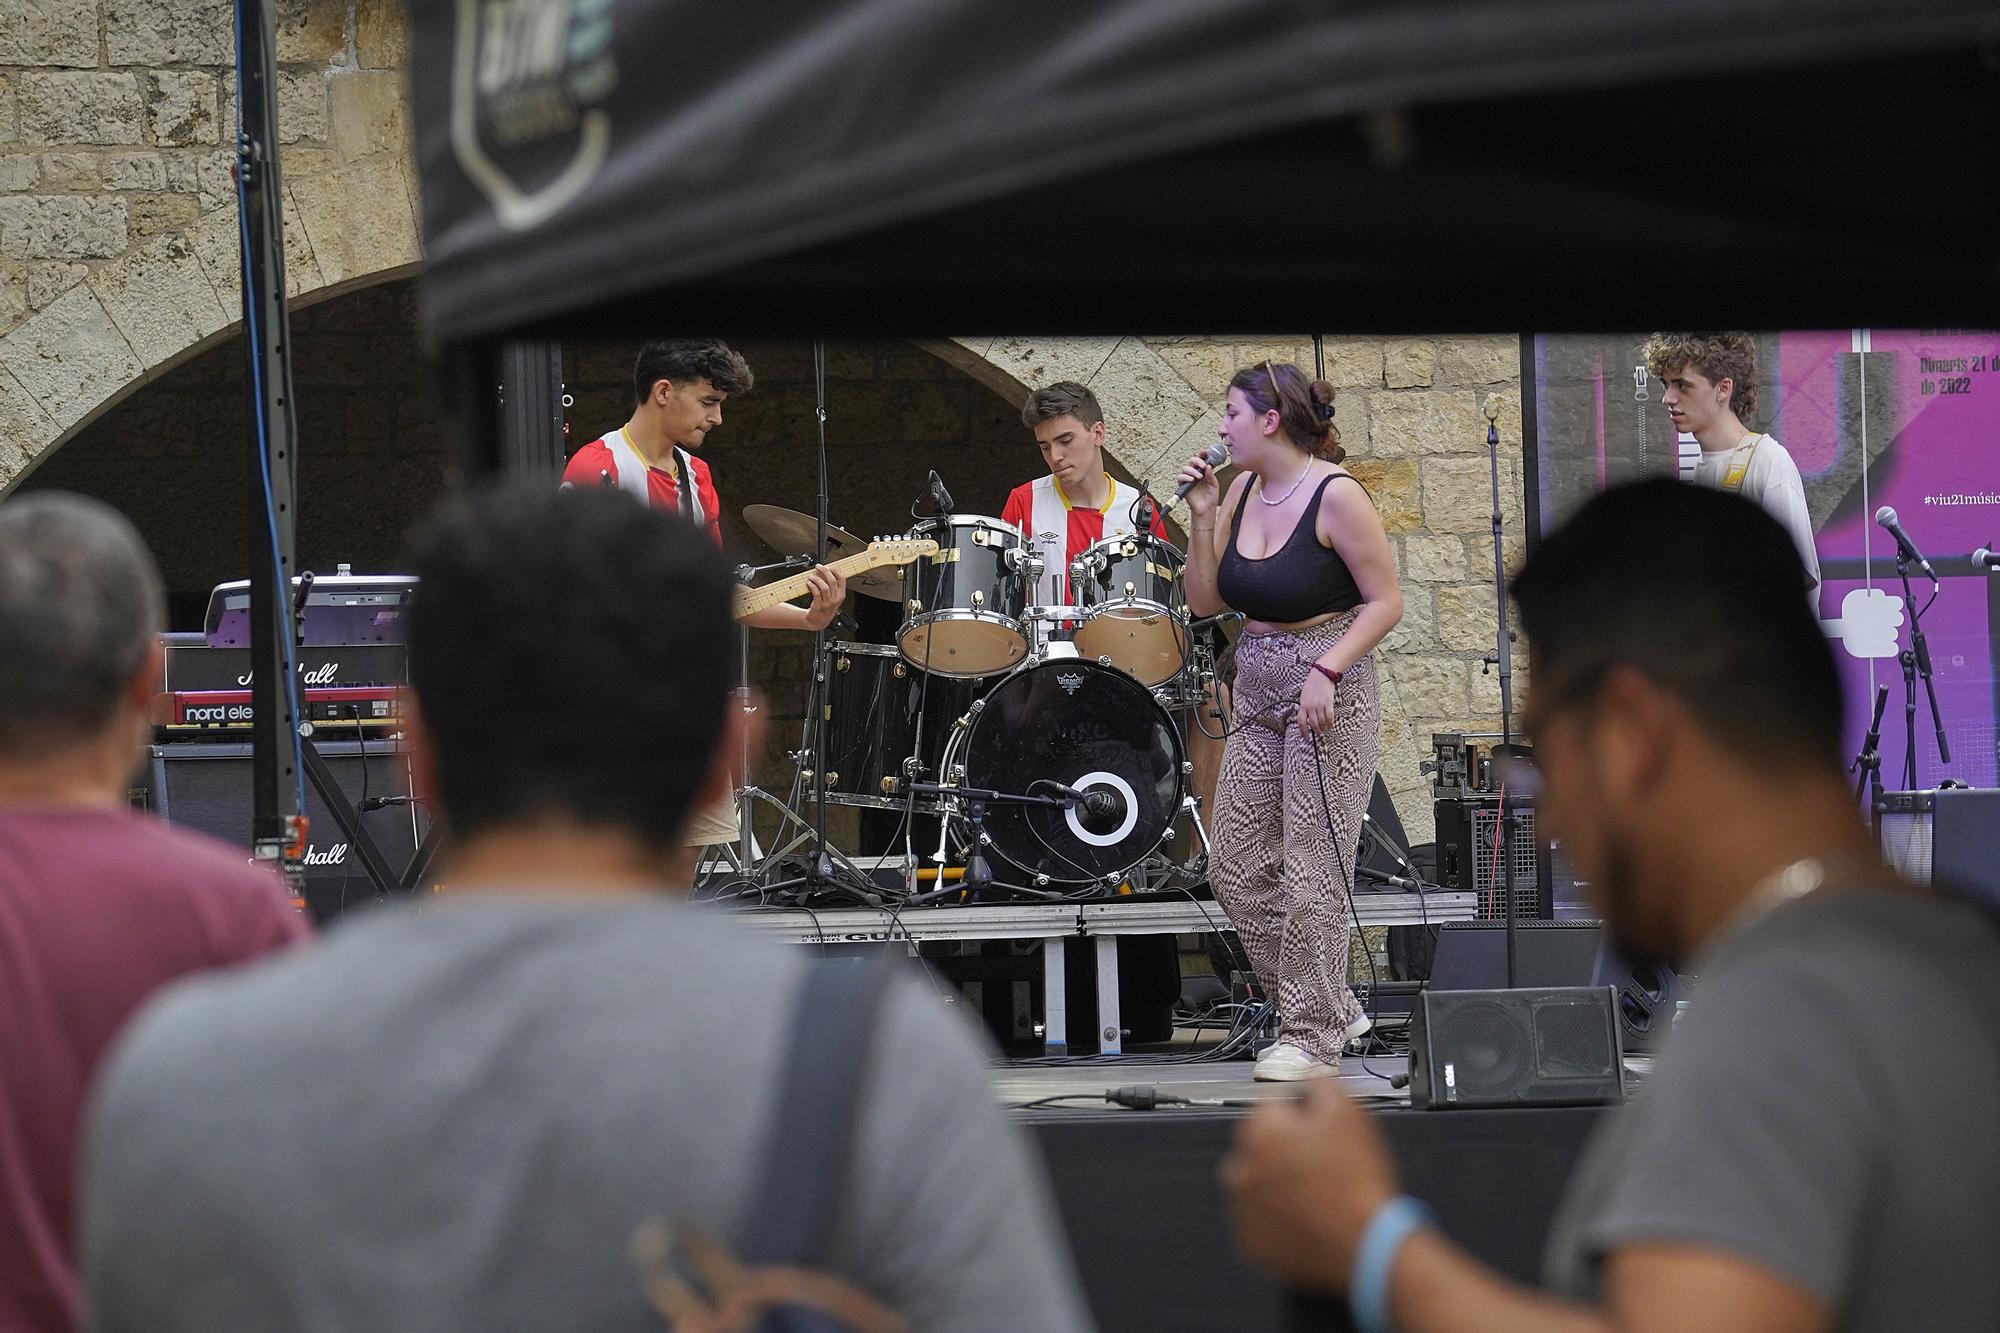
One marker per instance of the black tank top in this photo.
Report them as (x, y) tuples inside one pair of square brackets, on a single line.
[(1296, 582)]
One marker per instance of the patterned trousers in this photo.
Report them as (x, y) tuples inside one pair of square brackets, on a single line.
[(1280, 872)]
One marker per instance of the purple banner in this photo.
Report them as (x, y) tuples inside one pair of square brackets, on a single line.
[(1904, 418)]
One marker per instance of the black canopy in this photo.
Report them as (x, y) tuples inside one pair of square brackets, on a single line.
[(1382, 165)]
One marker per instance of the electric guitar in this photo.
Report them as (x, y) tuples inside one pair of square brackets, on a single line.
[(882, 551)]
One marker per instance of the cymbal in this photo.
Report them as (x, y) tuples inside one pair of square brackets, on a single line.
[(788, 532)]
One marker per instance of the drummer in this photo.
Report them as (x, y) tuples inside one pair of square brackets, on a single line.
[(679, 385), (1078, 503), (1086, 504)]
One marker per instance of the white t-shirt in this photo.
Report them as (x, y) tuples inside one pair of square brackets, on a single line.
[(1772, 480)]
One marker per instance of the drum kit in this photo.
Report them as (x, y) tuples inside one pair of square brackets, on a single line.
[(1045, 738)]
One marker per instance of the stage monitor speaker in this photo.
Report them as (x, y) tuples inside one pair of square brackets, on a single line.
[(206, 787), (1472, 955), (1949, 837), (1544, 1046)]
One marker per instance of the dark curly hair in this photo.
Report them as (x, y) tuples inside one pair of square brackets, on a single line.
[(1716, 357), (570, 653), (684, 359)]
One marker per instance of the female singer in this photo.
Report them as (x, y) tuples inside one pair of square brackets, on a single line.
[(1304, 558)]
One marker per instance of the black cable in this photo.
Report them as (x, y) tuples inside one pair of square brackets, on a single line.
[(1347, 887), (1133, 1097)]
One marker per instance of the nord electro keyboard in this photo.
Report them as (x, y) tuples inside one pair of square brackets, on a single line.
[(370, 706)]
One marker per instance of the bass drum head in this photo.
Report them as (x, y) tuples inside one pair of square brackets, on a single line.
[(1087, 726)]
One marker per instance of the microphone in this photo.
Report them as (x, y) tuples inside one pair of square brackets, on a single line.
[(1215, 456), (374, 803), (1984, 558), (1097, 809), (1101, 809), (1887, 518), (1374, 876), (1492, 408), (940, 497)]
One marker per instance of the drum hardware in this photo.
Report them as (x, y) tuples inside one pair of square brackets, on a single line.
[(978, 870)]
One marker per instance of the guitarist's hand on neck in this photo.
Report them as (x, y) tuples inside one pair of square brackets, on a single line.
[(828, 587)]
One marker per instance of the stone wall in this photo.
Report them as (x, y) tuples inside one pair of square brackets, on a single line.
[(118, 224)]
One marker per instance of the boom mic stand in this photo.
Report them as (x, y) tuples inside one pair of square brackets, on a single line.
[(1916, 661), (1502, 658)]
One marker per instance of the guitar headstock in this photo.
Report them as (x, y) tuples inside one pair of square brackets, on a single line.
[(901, 550)]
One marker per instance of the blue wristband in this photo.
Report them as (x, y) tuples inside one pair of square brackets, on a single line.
[(1375, 1256)]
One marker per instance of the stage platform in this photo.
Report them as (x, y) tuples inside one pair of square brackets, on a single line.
[(1102, 920), (1145, 1214)]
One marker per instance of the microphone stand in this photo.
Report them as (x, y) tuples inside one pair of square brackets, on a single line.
[(1504, 660), (978, 870), (1868, 764), (819, 874), (1916, 660)]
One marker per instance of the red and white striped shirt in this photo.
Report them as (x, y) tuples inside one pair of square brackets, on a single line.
[(597, 464)]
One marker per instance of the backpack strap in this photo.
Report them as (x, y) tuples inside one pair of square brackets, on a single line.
[(808, 1158)]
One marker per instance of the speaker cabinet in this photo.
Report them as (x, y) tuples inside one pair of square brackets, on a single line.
[(1472, 955), (206, 787), (1645, 994), (1470, 857), (1949, 837), (1545, 1046)]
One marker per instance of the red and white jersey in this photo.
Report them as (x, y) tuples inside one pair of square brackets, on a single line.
[(610, 460), (1045, 515)]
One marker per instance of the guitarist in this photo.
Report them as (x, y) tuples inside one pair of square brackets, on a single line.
[(679, 385)]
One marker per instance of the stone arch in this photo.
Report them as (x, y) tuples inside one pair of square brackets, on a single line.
[(173, 297)]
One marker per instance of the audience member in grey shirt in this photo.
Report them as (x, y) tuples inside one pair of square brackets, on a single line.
[(1815, 1150), (459, 1116)]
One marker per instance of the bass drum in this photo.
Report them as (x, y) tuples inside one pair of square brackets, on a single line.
[(1083, 725)]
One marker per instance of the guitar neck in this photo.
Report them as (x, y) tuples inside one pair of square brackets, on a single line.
[(749, 601)]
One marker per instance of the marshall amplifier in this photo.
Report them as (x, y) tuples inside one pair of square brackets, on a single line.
[(192, 665), (206, 787)]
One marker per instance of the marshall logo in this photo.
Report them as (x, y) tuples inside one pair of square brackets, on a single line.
[(332, 856), (528, 83), (324, 674), (1070, 684)]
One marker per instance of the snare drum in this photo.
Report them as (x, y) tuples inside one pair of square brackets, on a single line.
[(881, 713), (1135, 616), (964, 604)]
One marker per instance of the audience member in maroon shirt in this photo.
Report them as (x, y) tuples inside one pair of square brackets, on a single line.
[(99, 906)]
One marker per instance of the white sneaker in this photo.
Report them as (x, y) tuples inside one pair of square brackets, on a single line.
[(1286, 1063)]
